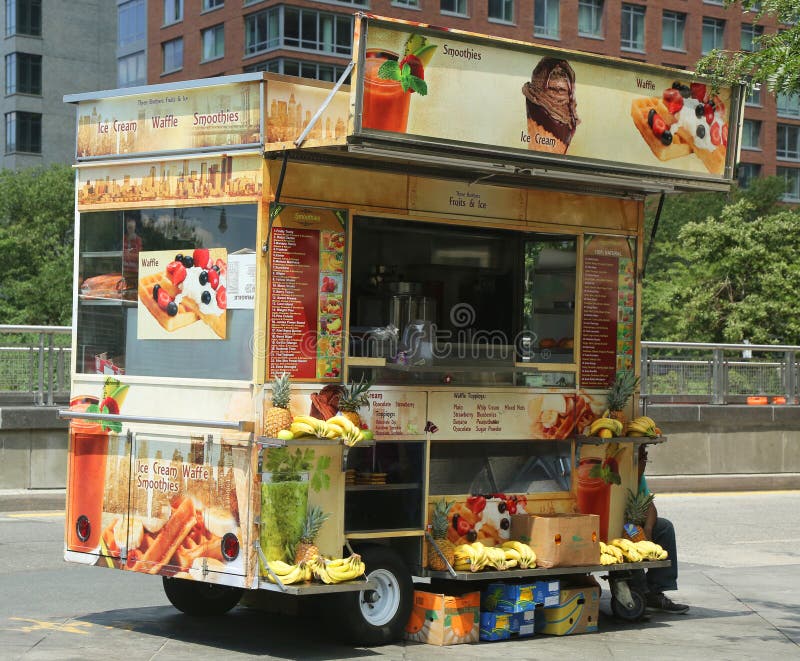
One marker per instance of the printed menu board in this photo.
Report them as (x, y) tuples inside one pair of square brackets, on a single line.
[(306, 303), (396, 412), (608, 309)]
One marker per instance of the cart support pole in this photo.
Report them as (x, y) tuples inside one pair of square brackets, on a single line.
[(302, 137), (264, 562)]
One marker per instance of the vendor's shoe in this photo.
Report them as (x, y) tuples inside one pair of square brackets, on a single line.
[(661, 602)]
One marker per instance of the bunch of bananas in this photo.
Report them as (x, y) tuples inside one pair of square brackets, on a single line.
[(521, 553), (287, 573), (337, 571), (624, 550), (470, 557), (605, 427), (475, 557), (336, 427), (643, 426), (610, 554)]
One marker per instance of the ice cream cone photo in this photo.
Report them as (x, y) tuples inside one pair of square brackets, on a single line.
[(551, 106)]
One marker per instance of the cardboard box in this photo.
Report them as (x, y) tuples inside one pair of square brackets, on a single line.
[(519, 597), (502, 626), (439, 619), (577, 610), (559, 540), (495, 626), (547, 593)]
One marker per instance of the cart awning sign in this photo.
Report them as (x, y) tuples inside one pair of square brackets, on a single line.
[(170, 119), (453, 88)]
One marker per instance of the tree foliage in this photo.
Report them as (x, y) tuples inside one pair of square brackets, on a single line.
[(775, 62), (725, 269), (36, 235)]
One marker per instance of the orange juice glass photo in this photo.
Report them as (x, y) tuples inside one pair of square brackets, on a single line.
[(594, 494), (385, 102), (88, 450)]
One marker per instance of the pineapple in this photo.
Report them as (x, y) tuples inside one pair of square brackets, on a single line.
[(636, 514), (353, 398), (278, 417), (439, 532), (618, 395), (306, 549)]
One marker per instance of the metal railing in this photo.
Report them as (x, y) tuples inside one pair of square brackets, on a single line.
[(696, 372), (34, 363)]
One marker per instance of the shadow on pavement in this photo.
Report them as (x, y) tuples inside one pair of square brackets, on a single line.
[(244, 630)]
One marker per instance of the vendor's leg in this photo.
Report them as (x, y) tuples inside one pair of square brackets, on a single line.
[(666, 578)]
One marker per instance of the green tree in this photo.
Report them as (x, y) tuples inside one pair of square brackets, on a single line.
[(774, 63), (730, 276), (36, 234), (670, 269)]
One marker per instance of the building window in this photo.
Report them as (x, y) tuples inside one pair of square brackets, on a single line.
[(208, 5), (23, 132), (457, 7), (408, 4), (501, 10), (632, 30), (792, 177), (673, 28), (173, 11), (713, 2), (23, 74), (131, 70), (713, 34), (131, 22), (788, 143), (24, 17), (751, 134), (590, 18), (546, 18), (750, 36), (788, 105), (753, 96), (213, 43), (304, 68), (746, 173), (172, 55), (306, 29), (360, 3)]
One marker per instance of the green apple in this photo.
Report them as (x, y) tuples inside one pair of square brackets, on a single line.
[(285, 435), (366, 435)]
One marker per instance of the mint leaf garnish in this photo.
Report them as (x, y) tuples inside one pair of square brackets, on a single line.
[(418, 85), (93, 408), (390, 70)]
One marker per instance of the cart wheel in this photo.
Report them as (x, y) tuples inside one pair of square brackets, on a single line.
[(201, 598), (375, 617), (633, 613)]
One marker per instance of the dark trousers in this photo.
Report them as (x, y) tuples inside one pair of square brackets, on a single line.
[(661, 579)]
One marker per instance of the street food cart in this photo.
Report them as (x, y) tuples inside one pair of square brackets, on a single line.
[(457, 237)]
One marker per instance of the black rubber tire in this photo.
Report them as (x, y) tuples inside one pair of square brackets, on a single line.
[(200, 598), (630, 614), (353, 625)]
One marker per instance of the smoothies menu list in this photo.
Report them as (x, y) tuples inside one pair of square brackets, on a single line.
[(306, 312), (608, 310)]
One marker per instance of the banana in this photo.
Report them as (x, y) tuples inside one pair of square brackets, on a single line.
[(607, 559), (296, 575), (299, 428), (527, 556), (613, 425), (643, 426), (280, 567), (352, 437)]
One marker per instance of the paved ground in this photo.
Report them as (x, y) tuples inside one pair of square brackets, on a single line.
[(740, 572)]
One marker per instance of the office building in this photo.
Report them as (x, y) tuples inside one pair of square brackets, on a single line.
[(200, 38), (51, 49)]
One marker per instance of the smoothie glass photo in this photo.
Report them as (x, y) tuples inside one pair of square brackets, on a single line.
[(594, 494), (283, 512), (385, 103), (88, 452)]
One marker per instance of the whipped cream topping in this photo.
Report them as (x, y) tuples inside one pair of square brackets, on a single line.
[(688, 119), (192, 289)]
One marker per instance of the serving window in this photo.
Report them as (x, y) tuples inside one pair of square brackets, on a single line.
[(141, 314), (463, 305)]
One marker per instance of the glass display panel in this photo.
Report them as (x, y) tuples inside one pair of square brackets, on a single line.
[(109, 300)]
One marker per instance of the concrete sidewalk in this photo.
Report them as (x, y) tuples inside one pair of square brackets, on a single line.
[(25, 500)]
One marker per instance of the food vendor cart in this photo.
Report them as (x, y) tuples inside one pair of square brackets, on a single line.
[(458, 238)]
